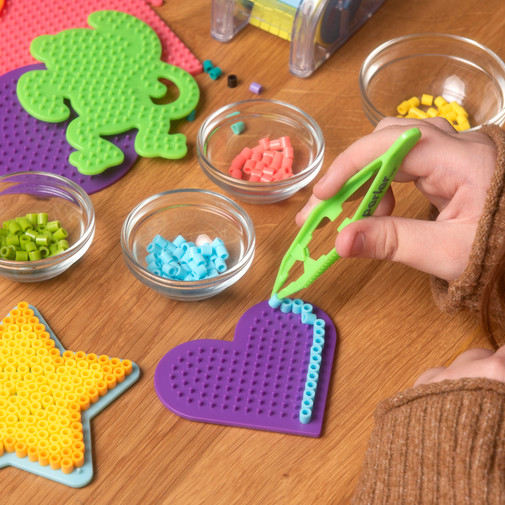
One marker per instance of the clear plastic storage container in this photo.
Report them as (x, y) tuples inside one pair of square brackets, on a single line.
[(315, 28)]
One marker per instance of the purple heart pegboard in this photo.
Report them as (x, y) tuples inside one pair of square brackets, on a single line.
[(29, 144), (256, 381)]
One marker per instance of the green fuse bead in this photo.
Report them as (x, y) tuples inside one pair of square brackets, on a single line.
[(62, 245), (14, 228), (52, 226), (53, 249), (42, 240), (12, 240), (8, 252), (42, 218), (41, 228), (24, 223), (35, 255), (3, 232), (30, 246), (21, 256), (32, 218), (44, 251), (60, 234), (31, 234)]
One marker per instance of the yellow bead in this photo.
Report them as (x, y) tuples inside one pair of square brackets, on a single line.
[(427, 100), (416, 112), (403, 108), (440, 101), (414, 101)]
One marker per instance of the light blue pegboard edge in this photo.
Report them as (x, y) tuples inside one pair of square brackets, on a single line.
[(80, 476)]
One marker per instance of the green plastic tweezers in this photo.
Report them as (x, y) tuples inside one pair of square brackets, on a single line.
[(384, 168)]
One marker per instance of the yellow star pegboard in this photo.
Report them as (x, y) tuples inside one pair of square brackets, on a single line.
[(48, 395)]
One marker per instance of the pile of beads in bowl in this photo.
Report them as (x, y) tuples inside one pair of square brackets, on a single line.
[(270, 160), (32, 237), (438, 107), (187, 261)]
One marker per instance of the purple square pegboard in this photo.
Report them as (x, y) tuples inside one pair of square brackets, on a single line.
[(29, 144), (256, 381)]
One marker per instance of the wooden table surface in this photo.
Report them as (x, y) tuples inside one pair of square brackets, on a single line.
[(389, 328)]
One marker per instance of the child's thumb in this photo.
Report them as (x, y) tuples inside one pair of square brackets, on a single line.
[(420, 244)]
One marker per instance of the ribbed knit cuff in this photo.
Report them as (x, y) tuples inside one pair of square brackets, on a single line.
[(465, 293), (441, 443)]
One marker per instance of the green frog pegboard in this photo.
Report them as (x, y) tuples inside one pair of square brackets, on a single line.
[(109, 74)]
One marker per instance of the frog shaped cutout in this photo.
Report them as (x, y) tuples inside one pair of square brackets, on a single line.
[(110, 74)]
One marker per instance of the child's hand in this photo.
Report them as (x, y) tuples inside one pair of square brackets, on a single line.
[(453, 171), (473, 363)]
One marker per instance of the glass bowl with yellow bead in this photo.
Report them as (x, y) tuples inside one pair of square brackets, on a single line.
[(47, 223), (430, 75)]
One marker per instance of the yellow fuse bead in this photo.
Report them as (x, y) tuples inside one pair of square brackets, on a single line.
[(440, 101), (21, 450), (427, 100), (414, 101), (67, 465), (33, 454), (418, 113), (43, 457)]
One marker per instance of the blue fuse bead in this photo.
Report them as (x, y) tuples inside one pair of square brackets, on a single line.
[(171, 269), (215, 73), (308, 318), (151, 258), (165, 256), (205, 250), (160, 241), (286, 306), (179, 240), (220, 265), (297, 306), (275, 301), (196, 257), (212, 273), (178, 254), (199, 271), (207, 66), (305, 416)]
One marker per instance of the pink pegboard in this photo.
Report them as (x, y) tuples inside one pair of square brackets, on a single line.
[(23, 20)]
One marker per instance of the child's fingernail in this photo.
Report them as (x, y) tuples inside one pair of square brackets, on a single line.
[(358, 244)]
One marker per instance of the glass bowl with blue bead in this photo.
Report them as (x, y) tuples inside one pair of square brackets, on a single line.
[(188, 244)]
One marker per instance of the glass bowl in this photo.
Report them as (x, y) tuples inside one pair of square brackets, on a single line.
[(23, 193), (453, 67), (189, 213), (218, 145)]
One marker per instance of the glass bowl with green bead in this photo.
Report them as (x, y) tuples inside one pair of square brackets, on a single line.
[(47, 223)]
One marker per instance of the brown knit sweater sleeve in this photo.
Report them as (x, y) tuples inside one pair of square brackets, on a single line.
[(465, 293), (437, 444)]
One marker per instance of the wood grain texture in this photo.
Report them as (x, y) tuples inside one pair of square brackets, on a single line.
[(390, 330)]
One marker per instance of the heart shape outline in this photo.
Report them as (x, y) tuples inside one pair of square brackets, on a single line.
[(255, 381)]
